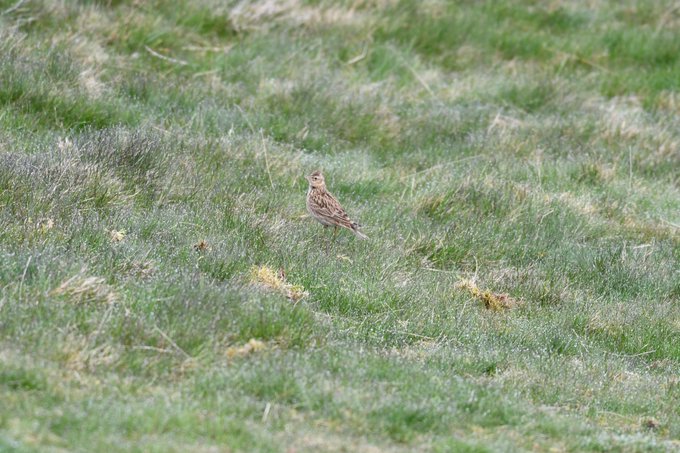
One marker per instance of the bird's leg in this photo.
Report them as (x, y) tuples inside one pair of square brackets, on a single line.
[(325, 227), (335, 232)]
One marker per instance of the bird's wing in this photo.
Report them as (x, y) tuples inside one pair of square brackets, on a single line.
[(328, 206)]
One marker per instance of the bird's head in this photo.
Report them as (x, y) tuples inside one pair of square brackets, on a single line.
[(316, 180)]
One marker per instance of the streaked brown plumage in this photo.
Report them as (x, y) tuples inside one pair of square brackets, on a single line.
[(325, 208)]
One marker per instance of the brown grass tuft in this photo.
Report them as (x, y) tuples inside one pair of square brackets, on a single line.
[(201, 246), (83, 289), (492, 301)]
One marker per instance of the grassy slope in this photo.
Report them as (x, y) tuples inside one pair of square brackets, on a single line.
[(532, 146)]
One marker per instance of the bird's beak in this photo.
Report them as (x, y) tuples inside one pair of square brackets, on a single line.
[(308, 178)]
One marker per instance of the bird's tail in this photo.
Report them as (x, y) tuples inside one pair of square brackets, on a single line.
[(355, 230)]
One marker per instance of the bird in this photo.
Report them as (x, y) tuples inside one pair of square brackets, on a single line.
[(326, 209)]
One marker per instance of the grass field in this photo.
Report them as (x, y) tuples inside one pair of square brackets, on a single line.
[(163, 289)]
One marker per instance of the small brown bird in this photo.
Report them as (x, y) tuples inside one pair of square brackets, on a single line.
[(326, 209)]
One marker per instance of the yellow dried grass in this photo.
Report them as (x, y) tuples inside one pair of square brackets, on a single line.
[(276, 280), (492, 301)]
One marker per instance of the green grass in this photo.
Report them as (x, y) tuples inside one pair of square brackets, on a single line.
[(531, 147)]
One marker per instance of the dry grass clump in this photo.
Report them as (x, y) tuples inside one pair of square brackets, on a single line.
[(81, 289), (492, 301), (253, 345), (44, 224), (201, 246), (117, 235), (269, 278), (650, 423), (141, 268), (79, 354)]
